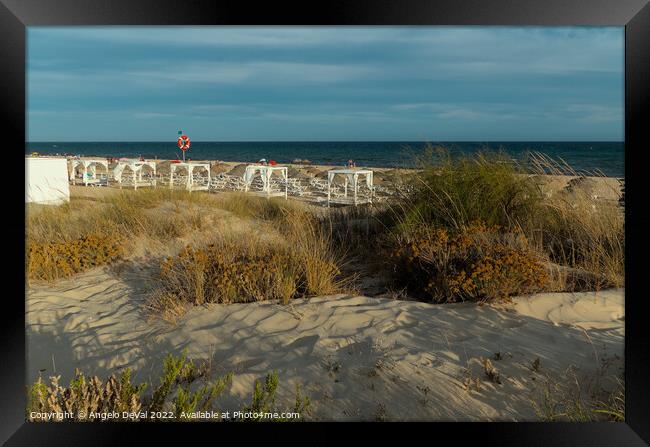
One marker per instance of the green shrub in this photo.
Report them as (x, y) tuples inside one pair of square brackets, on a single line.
[(478, 263), (453, 191), (263, 399)]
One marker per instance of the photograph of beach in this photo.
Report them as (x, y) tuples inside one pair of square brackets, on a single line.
[(391, 223)]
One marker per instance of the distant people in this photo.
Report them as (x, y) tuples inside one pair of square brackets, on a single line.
[(351, 164), (273, 162), (262, 161)]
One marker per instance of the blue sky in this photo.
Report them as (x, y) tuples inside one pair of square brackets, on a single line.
[(325, 83)]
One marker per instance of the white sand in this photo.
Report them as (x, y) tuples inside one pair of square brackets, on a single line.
[(358, 358)]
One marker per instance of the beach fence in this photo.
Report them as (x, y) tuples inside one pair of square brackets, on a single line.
[(46, 180)]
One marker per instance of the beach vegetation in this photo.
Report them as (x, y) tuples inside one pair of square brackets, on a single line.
[(51, 260), (480, 263), (125, 400), (481, 227), (85, 396), (301, 263), (476, 227), (573, 401)]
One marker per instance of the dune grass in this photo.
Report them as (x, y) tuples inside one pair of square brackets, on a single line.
[(565, 243), (300, 261), (454, 191), (578, 239), (60, 240)]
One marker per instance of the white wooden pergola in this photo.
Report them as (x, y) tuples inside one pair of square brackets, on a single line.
[(351, 177), (191, 184), (265, 172), (136, 167), (89, 172)]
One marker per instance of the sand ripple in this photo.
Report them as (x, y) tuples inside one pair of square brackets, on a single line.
[(357, 357)]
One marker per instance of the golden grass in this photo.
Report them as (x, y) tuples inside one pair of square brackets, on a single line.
[(292, 257), (57, 235), (586, 235), (580, 238)]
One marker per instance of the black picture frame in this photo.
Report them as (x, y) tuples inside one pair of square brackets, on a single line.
[(16, 15)]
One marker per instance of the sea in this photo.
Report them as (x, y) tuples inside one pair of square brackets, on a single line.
[(606, 158)]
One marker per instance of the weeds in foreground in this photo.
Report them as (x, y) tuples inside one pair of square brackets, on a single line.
[(571, 402), (87, 396), (263, 400)]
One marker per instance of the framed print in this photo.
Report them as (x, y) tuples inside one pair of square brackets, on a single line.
[(354, 212)]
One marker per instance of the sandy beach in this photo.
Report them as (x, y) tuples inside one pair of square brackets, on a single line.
[(384, 179), (359, 358)]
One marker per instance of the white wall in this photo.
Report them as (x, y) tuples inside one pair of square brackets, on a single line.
[(46, 180)]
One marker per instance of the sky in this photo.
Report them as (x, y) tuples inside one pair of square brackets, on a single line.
[(325, 83)]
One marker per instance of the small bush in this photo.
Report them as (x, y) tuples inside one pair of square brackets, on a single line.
[(85, 395), (49, 261), (246, 205), (263, 399), (300, 262), (479, 263), (220, 274)]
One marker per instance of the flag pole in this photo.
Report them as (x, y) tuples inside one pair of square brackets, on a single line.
[(180, 132)]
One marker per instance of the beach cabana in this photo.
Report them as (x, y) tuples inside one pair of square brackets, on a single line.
[(85, 171), (190, 175), (351, 179), (265, 172), (130, 173), (46, 180)]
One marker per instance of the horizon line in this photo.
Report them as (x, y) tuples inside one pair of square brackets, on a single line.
[(330, 141)]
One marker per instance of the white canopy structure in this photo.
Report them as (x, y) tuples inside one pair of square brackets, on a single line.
[(265, 172), (134, 169), (351, 177), (194, 180), (46, 180), (88, 174)]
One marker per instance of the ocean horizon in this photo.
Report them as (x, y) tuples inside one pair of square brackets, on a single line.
[(605, 157)]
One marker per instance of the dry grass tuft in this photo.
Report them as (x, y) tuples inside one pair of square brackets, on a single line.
[(299, 262), (573, 401)]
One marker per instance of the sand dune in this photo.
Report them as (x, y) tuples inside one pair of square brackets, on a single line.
[(358, 358)]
